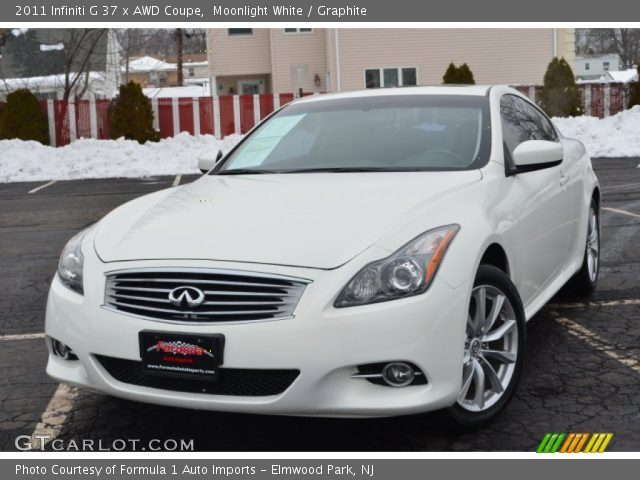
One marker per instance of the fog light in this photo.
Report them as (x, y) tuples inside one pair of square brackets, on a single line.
[(61, 350), (398, 374)]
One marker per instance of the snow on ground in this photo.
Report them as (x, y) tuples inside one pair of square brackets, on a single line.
[(615, 136), (88, 158)]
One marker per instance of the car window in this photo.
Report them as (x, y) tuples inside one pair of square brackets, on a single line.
[(388, 133), (521, 121)]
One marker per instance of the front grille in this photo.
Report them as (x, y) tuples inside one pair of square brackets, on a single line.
[(228, 295), (231, 381)]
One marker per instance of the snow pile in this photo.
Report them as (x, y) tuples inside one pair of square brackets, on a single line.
[(615, 136), (89, 158)]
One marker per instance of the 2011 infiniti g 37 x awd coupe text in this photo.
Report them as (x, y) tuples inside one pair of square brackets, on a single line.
[(363, 254)]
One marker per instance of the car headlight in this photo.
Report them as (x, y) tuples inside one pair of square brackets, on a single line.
[(409, 271), (71, 262)]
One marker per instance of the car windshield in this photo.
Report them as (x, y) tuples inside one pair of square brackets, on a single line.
[(384, 133)]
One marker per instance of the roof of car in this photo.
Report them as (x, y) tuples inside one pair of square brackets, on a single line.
[(473, 90)]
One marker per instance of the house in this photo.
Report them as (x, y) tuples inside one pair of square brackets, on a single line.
[(163, 72), (595, 66), (248, 60), (51, 87), (622, 76), (150, 72), (194, 65)]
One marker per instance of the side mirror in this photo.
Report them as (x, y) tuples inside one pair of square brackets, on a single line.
[(208, 160), (537, 154)]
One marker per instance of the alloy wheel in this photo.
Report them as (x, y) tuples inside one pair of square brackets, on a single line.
[(491, 349), (593, 245)]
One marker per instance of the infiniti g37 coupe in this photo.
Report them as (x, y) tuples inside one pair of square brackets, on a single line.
[(363, 254)]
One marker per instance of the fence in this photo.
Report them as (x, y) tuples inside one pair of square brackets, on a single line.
[(598, 99), (226, 114), (219, 116)]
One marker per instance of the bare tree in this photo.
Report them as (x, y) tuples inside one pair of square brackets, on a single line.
[(79, 46), (623, 41), (132, 42)]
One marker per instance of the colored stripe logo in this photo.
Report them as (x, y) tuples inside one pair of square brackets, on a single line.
[(574, 443)]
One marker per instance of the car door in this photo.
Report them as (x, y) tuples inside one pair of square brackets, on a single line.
[(540, 213)]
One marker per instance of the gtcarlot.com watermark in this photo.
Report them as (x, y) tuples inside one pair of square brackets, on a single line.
[(46, 442)]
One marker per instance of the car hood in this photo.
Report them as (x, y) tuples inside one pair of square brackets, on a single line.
[(315, 220)]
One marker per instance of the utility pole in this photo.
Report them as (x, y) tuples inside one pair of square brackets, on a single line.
[(179, 55)]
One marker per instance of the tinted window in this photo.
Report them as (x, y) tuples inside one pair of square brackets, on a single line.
[(393, 133), (521, 121)]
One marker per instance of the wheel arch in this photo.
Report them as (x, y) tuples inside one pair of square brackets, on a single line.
[(595, 196), (496, 256)]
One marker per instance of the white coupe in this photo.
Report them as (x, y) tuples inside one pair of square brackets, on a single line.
[(363, 254)]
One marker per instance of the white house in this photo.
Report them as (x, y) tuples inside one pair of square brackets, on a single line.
[(595, 66)]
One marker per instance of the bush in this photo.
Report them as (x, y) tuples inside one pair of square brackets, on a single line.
[(465, 75), (634, 97), (131, 115), (21, 117), (461, 75), (560, 96)]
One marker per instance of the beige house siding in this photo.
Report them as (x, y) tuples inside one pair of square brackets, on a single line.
[(238, 55), (298, 56), (567, 45), (494, 55), (508, 56)]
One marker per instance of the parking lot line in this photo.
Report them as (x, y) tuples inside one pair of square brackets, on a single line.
[(604, 303), (600, 344), (621, 212), (24, 336), (54, 416), (37, 189), (176, 181)]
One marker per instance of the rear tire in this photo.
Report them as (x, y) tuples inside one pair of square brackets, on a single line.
[(585, 281), (494, 349)]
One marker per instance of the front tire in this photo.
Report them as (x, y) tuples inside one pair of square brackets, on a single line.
[(494, 348), (585, 281)]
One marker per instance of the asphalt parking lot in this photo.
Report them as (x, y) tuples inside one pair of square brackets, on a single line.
[(582, 371)]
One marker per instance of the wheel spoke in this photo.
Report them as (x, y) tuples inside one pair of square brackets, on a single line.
[(492, 376), (498, 301), (500, 332), (480, 296), (471, 327), (500, 356), (479, 384), (467, 378)]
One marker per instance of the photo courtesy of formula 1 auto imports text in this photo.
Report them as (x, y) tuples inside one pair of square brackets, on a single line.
[(338, 239)]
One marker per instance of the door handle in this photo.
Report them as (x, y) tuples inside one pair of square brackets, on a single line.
[(564, 178)]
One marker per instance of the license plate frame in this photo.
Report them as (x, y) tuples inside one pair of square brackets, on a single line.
[(182, 355)]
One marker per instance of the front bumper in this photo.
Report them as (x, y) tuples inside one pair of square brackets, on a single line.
[(325, 344)]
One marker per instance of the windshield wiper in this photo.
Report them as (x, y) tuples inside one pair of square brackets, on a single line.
[(337, 169), (245, 171)]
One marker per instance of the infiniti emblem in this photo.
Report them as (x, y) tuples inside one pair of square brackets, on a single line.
[(186, 296)]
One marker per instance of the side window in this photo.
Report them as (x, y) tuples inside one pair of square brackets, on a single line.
[(521, 121)]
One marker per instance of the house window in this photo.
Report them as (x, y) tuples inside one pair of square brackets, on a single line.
[(191, 71), (163, 77), (298, 30), (390, 77), (586, 66), (237, 32), (605, 66)]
